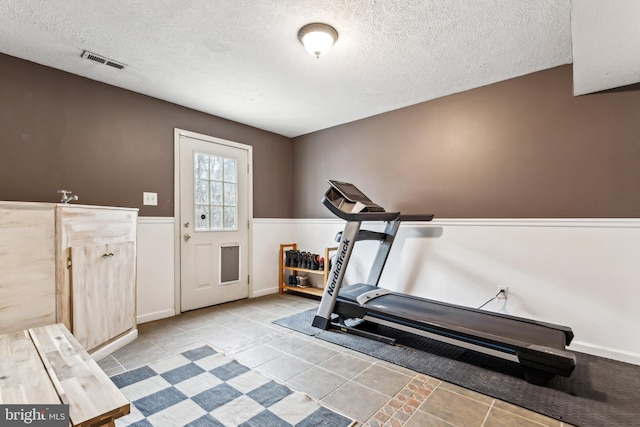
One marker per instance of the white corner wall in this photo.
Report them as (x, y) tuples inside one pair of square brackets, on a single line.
[(268, 235), (155, 296)]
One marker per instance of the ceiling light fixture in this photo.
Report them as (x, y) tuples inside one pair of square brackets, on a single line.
[(317, 38)]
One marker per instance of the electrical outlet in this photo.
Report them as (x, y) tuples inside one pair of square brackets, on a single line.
[(503, 293), (150, 199)]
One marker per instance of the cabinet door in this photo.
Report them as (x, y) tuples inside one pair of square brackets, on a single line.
[(103, 292), (121, 301), (89, 290)]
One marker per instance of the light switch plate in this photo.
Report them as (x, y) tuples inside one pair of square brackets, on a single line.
[(150, 199)]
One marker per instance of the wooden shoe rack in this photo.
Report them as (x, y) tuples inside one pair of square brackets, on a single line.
[(285, 271)]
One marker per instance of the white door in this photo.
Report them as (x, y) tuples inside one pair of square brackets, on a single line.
[(214, 220)]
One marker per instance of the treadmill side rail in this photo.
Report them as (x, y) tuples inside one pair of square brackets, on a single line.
[(368, 296)]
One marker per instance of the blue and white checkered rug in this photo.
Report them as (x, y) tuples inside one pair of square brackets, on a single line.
[(202, 387)]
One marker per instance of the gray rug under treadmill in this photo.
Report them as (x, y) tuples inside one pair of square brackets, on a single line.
[(600, 392)]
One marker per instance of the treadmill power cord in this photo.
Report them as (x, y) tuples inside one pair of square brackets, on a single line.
[(497, 297)]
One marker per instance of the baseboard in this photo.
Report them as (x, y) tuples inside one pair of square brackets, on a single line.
[(156, 315), (120, 342), (605, 352), (263, 292)]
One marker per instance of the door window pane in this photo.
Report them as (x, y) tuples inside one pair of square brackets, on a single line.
[(216, 218), (229, 170), (229, 194), (215, 193), (202, 217), (216, 168), (230, 218), (202, 192), (201, 166)]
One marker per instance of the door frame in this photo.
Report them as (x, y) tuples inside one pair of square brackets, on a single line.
[(176, 205)]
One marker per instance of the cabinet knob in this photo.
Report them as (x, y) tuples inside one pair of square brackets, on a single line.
[(187, 236)]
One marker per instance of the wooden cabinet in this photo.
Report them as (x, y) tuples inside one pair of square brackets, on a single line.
[(27, 265), (72, 264), (97, 275), (102, 307), (285, 270)]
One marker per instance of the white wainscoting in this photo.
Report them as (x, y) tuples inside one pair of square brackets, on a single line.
[(155, 268), (268, 234), (580, 273)]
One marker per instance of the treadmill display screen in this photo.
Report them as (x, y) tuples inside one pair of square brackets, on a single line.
[(350, 191)]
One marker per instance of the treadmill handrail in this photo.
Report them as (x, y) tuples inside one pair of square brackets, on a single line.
[(360, 216), (416, 217)]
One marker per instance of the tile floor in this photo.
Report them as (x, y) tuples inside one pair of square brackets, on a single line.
[(370, 391)]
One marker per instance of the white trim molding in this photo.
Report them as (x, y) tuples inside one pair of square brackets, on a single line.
[(156, 220), (491, 222), (535, 222)]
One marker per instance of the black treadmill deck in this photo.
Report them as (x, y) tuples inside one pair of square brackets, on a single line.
[(496, 331), (482, 322)]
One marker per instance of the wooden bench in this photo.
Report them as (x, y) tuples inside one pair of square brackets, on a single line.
[(47, 365)]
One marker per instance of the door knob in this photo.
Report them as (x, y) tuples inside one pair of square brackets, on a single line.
[(187, 237)]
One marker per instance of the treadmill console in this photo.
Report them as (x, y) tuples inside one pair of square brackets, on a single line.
[(348, 198), (347, 202)]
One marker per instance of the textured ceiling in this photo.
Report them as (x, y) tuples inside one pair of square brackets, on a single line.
[(241, 59)]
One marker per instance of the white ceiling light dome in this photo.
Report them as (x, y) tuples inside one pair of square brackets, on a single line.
[(317, 38)]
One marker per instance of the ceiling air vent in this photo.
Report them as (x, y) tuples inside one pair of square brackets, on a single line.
[(114, 64), (101, 59)]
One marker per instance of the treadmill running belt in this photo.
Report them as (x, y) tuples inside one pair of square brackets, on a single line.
[(480, 323)]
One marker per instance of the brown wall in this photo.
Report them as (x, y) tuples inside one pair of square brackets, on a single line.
[(108, 145), (519, 148)]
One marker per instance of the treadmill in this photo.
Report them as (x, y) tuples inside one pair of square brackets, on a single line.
[(538, 347)]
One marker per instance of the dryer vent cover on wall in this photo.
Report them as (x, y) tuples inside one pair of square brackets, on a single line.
[(102, 59)]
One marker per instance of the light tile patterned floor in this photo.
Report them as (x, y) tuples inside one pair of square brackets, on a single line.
[(373, 392), (404, 404), (202, 387)]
